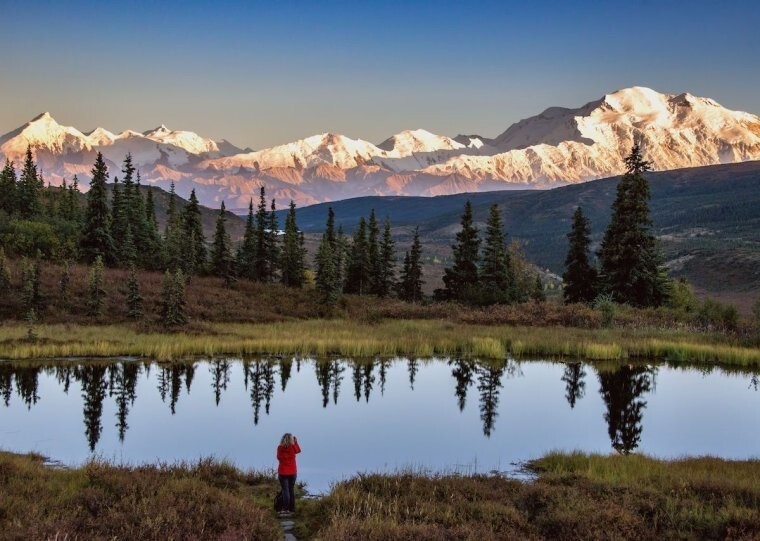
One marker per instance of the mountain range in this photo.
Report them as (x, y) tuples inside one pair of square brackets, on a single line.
[(557, 147)]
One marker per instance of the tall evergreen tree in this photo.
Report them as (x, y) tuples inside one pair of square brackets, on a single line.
[(8, 188), (173, 312), (496, 273), (272, 244), (340, 245), (461, 280), (173, 233), (410, 284), (31, 284), (246, 256), (292, 258), (222, 263), (96, 294), (134, 299), (151, 251), (579, 275), (119, 219), (29, 187), (386, 278), (631, 268), (359, 272), (96, 238), (193, 241), (327, 263), (70, 209), (373, 253)]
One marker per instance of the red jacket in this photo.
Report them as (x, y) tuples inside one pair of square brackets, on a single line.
[(287, 458)]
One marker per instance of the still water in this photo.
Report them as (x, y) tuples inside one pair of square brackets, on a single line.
[(381, 415)]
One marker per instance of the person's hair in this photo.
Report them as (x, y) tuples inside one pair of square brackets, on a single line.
[(287, 439)]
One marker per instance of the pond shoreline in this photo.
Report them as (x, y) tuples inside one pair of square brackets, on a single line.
[(573, 496), (386, 338)]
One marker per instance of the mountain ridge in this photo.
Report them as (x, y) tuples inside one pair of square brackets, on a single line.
[(559, 146)]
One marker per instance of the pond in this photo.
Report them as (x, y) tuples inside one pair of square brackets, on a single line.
[(373, 415)]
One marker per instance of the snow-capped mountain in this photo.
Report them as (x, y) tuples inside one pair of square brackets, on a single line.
[(558, 146)]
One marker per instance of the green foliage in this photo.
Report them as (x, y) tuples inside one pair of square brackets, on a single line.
[(8, 188), (28, 200), (717, 315), (53, 238), (31, 284), (64, 285), (293, 252), (5, 273), (496, 278), (193, 243), (410, 283), (246, 255), (261, 262), (222, 262), (272, 244), (386, 278), (173, 310), (373, 253), (359, 271), (329, 262), (682, 297), (631, 267), (579, 276), (134, 299), (537, 294), (31, 319), (461, 279), (605, 305), (96, 241), (96, 294)]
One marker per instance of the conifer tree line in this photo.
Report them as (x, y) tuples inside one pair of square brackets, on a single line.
[(491, 274), (630, 265), (122, 230), (365, 264)]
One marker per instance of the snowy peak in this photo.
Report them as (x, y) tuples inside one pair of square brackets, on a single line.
[(409, 142), (42, 132)]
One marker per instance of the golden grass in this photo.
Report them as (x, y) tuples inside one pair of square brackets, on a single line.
[(417, 338)]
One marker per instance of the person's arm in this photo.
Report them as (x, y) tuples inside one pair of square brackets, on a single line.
[(296, 447), (280, 452)]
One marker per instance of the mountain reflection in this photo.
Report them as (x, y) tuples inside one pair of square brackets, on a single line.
[(623, 390)]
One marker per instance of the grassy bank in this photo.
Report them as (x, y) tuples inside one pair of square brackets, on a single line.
[(574, 496), (207, 500), (420, 338)]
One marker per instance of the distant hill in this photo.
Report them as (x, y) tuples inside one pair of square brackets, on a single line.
[(707, 219)]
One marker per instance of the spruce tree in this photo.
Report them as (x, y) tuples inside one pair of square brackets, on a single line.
[(151, 252), (387, 276), (373, 254), (631, 269), (96, 238), (410, 284), (461, 280), (134, 299), (63, 285), (261, 263), (272, 245), (172, 233), (359, 272), (173, 313), (5, 273), (96, 294), (193, 241), (8, 188), (31, 283), (246, 256), (119, 219), (340, 253), (496, 273), (28, 189), (327, 280), (72, 210), (579, 276), (292, 259), (222, 263)]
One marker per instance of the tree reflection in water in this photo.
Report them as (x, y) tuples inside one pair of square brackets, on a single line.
[(622, 391)]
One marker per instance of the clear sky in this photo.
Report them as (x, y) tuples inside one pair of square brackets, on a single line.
[(264, 73)]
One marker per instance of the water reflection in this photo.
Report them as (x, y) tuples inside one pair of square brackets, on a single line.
[(624, 390)]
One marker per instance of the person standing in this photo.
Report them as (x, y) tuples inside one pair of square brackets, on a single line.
[(287, 470)]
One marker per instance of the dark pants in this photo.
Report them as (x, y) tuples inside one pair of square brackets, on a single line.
[(288, 484)]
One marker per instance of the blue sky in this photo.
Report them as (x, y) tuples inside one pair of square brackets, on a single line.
[(261, 73)]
